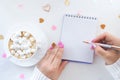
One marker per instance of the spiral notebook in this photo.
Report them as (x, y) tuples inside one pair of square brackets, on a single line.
[(75, 30)]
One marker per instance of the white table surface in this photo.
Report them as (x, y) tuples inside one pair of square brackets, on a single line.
[(16, 12)]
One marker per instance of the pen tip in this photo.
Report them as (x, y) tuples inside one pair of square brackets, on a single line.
[(86, 42)]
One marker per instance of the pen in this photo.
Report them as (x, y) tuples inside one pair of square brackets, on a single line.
[(102, 45)]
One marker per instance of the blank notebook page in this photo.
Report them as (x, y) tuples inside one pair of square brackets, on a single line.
[(75, 30)]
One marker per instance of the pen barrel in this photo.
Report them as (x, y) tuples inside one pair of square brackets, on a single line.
[(104, 45)]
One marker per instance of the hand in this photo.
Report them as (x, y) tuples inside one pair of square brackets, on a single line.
[(52, 65), (109, 55)]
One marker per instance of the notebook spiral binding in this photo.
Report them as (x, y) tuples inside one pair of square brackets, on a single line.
[(84, 17)]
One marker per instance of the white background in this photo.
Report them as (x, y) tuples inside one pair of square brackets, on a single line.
[(107, 12)]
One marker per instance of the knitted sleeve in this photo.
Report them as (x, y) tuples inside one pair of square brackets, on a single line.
[(114, 69), (37, 75)]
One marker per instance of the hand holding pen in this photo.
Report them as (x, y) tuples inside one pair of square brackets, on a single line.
[(109, 55)]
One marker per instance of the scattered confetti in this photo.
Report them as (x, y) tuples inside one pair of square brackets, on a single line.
[(67, 2), (53, 27), (20, 6), (21, 76), (119, 16), (61, 45), (102, 26), (41, 20), (4, 55), (1, 37), (79, 13), (47, 7)]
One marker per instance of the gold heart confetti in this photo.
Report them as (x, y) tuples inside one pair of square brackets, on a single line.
[(1, 37), (47, 7), (41, 20), (102, 26), (119, 16), (67, 2)]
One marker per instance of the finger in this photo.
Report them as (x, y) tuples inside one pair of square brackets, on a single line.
[(49, 51), (100, 37), (53, 54), (100, 51), (62, 66), (45, 57), (57, 59)]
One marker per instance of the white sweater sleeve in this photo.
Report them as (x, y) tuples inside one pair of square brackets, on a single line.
[(37, 75), (114, 69)]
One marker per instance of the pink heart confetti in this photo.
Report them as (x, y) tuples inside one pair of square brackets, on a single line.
[(79, 13), (53, 27), (20, 6), (22, 76), (60, 44), (4, 55)]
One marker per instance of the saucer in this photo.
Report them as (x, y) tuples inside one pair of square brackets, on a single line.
[(42, 44)]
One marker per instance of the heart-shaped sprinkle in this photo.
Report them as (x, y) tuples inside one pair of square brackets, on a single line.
[(102, 26), (53, 27), (1, 37), (41, 20), (67, 2), (47, 7), (20, 5), (119, 16), (21, 76), (4, 55)]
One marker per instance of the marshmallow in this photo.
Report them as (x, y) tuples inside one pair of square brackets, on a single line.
[(12, 47), (16, 54), (17, 46), (27, 34), (28, 51), (19, 51), (23, 56), (33, 50), (18, 34), (12, 52), (32, 39), (24, 47), (29, 43)]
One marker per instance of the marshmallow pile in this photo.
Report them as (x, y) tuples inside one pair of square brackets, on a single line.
[(22, 45)]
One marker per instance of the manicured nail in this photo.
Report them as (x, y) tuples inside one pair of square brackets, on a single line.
[(93, 40), (93, 46), (52, 46), (60, 44)]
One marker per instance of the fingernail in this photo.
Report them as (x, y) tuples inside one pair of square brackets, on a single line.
[(93, 40), (93, 46), (60, 44), (52, 46)]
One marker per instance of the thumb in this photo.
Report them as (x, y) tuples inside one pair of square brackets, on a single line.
[(100, 51)]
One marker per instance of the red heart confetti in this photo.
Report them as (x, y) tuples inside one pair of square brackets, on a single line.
[(53, 27)]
